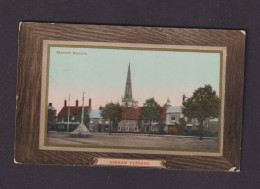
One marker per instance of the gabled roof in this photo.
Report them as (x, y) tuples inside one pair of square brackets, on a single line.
[(74, 110), (174, 109)]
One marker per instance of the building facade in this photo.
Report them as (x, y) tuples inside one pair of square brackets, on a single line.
[(51, 126), (131, 120), (97, 123), (69, 117), (173, 114)]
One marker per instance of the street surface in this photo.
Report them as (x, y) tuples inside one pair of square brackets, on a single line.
[(136, 140)]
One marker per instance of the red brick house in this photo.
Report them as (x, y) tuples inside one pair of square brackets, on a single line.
[(132, 121), (74, 115)]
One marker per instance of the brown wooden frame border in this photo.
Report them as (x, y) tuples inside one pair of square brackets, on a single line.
[(31, 38)]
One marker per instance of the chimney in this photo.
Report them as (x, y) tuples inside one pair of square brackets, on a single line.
[(65, 103), (100, 108), (77, 103), (89, 103), (50, 104)]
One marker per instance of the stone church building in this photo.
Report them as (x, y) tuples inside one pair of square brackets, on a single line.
[(131, 113)]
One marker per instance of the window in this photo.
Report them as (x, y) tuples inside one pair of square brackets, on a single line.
[(127, 128), (119, 128), (127, 121), (136, 128), (100, 120), (73, 118), (189, 119), (155, 121), (62, 119), (173, 118)]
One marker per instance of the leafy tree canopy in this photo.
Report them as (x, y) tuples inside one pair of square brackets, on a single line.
[(182, 124), (204, 103), (161, 126), (151, 110), (112, 112)]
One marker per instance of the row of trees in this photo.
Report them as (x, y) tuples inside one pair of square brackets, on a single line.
[(151, 111), (203, 104)]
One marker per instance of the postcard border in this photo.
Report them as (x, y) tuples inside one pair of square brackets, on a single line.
[(47, 44), (28, 100)]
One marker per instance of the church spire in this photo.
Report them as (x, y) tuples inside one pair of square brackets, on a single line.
[(128, 86), (128, 100)]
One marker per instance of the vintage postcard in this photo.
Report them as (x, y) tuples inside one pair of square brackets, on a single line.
[(134, 98), (129, 96)]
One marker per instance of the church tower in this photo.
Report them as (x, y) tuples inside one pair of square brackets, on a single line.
[(128, 100)]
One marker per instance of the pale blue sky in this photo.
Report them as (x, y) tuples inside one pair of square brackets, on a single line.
[(101, 74)]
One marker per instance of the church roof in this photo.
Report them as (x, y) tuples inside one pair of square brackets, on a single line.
[(74, 110)]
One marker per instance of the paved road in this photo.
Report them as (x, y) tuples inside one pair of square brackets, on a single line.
[(136, 140)]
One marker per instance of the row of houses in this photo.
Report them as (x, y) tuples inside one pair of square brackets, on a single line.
[(69, 117), (130, 120)]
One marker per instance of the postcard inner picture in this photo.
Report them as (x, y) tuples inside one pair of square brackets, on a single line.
[(133, 98)]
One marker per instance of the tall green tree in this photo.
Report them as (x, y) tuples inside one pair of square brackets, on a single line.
[(112, 112), (161, 126), (203, 104), (182, 125), (151, 111)]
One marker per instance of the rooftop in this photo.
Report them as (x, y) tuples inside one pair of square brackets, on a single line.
[(135, 112), (174, 109), (74, 110), (51, 108), (95, 114)]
